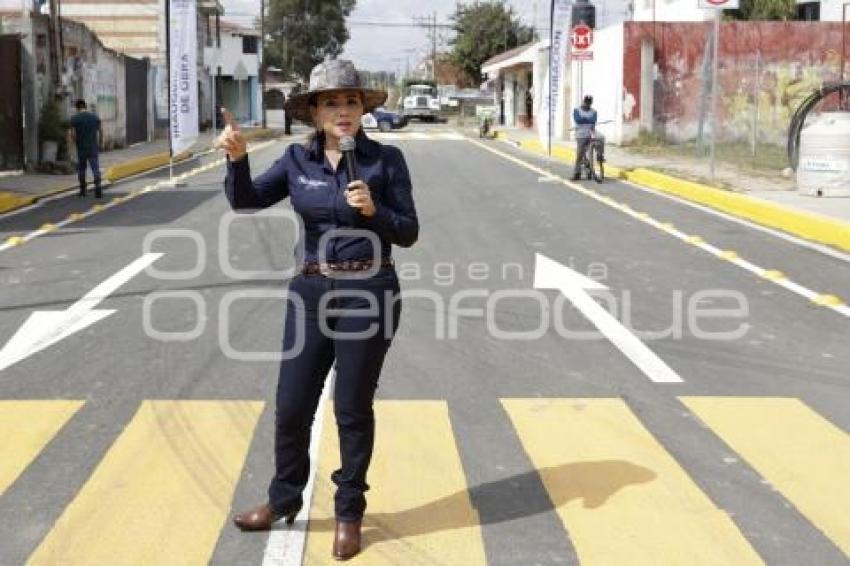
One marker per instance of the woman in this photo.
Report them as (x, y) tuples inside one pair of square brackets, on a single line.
[(344, 220)]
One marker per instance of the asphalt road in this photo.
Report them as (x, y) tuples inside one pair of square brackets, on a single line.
[(549, 448)]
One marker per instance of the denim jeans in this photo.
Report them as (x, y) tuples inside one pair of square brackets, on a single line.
[(82, 162)]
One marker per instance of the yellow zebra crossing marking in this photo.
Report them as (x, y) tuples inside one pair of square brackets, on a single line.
[(622, 498), (162, 492), (25, 429), (799, 452), (419, 508)]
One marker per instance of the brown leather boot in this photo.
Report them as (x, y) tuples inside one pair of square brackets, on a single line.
[(346, 540), (261, 518)]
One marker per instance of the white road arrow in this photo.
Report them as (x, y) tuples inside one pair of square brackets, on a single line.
[(45, 328), (549, 274)]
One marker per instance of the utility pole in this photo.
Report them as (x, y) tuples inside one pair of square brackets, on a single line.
[(55, 26), (430, 23), (434, 49), (715, 87), (263, 62)]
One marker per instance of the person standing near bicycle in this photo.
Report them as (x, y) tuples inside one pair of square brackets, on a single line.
[(585, 118)]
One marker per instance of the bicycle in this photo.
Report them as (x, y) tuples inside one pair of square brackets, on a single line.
[(593, 160)]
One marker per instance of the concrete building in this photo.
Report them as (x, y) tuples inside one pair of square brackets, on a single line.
[(235, 64), (512, 76), (113, 84), (647, 70), (138, 28)]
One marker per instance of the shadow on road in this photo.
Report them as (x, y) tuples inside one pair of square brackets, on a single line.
[(592, 482)]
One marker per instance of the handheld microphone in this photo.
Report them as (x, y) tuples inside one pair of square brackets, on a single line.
[(347, 145)]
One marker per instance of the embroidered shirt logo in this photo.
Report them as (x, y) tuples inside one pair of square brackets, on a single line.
[(311, 183)]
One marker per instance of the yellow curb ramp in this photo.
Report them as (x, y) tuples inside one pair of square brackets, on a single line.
[(260, 134), (800, 223), (148, 162), (11, 201), (808, 225), (142, 164), (561, 153)]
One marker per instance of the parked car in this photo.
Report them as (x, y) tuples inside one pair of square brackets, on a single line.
[(383, 120)]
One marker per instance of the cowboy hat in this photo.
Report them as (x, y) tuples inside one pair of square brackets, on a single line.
[(332, 76)]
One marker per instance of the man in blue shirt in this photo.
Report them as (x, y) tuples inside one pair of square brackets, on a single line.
[(88, 134), (584, 118)]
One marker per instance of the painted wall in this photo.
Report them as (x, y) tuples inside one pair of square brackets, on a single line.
[(775, 64), (96, 75), (91, 71), (688, 11), (830, 10)]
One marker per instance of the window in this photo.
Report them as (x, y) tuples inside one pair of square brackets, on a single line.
[(808, 11), (249, 44)]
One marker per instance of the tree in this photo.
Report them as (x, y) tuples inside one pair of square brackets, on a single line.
[(302, 33), (765, 10), (485, 29), (450, 74)]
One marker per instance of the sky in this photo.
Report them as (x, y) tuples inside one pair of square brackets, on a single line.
[(387, 48)]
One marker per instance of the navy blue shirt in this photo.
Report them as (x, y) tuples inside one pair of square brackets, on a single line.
[(316, 191), (86, 126)]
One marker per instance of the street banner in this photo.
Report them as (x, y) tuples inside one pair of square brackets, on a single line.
[(719, 4), (553, 81), (183, 74)]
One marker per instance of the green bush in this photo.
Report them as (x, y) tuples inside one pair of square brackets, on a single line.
[(50, 124)]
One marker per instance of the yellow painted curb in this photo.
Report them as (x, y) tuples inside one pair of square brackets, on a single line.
[(805, 224), (828, 301), (142, 164), (562, 153), (14, 240), (11, 201)]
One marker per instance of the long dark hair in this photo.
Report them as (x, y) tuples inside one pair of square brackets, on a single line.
[(316, 134)]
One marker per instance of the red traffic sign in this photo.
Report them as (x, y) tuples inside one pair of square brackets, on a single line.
[(582, 37)]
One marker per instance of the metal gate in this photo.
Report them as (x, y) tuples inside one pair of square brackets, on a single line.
[(11, 119), (136, 81)]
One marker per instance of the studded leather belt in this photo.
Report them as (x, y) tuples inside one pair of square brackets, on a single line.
[(316, 268)]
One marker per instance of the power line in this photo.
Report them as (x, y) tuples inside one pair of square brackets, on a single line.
[(401, 24)]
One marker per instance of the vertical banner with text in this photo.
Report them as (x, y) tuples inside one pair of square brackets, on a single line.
[(553, 81), (183, 74)]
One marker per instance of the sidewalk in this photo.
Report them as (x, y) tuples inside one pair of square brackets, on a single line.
[(19, 190), (769, 200)]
